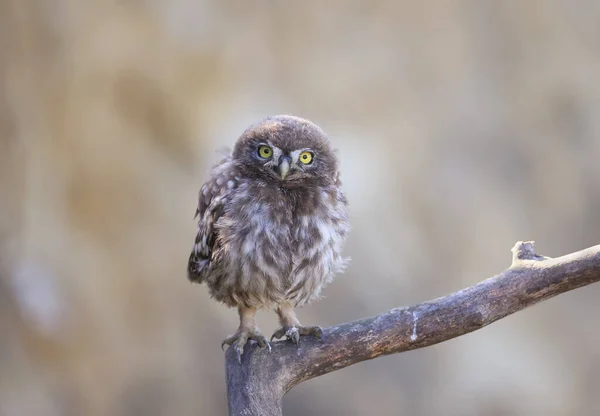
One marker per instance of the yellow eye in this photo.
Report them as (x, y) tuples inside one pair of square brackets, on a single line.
[(306, 157), (265, 152)]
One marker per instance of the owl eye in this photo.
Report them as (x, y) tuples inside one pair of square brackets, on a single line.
[(265, 152), (306, 158)]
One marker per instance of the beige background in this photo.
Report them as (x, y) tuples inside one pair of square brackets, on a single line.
[(462, 126)]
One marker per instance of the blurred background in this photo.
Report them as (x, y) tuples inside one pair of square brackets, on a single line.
[(463, 126)]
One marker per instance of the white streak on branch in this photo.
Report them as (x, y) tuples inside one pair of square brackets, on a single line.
[(413, 337)]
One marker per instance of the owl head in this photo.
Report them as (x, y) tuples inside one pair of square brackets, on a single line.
[(286, 151)]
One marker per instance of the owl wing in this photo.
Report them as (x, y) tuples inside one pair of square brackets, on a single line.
[(211, 200)]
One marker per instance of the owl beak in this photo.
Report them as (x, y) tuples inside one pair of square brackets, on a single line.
[(284, 166)]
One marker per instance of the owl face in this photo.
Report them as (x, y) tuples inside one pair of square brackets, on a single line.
[(286, 151)]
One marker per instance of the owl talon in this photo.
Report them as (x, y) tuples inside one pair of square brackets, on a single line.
[(241, 337), (262, 341), (278, 334), (293, 333), (239, 353), (311, 330)]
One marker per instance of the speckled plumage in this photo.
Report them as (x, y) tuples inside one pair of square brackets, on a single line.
[(264, 241)]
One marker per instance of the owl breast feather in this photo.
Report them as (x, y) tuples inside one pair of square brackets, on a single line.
[(269, 249)]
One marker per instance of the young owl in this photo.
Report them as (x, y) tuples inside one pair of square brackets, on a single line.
[(272, 223)]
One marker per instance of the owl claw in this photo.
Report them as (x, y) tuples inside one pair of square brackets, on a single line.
[(293, 333), (241, 337), (262, 341), (316, 331), (278, 334)]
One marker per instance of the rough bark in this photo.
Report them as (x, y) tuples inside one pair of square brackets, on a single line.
[(258, 384)]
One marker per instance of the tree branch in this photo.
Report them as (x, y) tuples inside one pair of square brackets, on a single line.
[(258, 384)]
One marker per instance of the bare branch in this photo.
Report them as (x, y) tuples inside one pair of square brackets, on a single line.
[(257, 386)]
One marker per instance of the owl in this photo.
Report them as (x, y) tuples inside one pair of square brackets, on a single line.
[(272, 222)]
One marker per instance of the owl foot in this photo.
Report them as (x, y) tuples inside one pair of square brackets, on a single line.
[(293, 332), (242, 336)]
